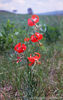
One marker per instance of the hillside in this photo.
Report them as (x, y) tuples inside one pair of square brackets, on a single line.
[(58, 13), (44, 79), (21, 19)]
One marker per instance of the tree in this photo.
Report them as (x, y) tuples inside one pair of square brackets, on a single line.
[(30, 11)]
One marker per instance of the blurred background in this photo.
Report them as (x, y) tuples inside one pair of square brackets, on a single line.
[(47, 78), (38, 6)]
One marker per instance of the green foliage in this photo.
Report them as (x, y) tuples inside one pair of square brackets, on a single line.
[(19, 75), (52, 34), (8, 36)]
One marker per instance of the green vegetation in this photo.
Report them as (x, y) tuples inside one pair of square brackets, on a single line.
[(48, 77)]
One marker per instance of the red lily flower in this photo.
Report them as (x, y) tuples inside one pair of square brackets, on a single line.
[(30, 22), (26, 39), (36, 37), (20, 48), (33, 38), (37, 57), (33, 59), (33, 20)]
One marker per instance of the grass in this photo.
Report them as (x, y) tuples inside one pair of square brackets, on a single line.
[(47, 78), (48, 75), (20, 19)]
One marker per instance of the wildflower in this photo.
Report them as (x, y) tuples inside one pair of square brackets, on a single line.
[(33, 59), (36, 37), (33, 38), (18, 59), (26, 39), (33, 20), (36, 57), (20, 48)]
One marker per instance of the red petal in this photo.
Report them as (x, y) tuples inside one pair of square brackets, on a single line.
[(37, 54), (30, 22), (31, 59), (23, 47), (30, 64), (34, 39), (17, 46), (20, 48), (26, 39), (35, 18), (17, 61), (39, 36), (18, 57)]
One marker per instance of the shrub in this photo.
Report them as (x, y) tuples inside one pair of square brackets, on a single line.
[(52, 34), (7, 36)]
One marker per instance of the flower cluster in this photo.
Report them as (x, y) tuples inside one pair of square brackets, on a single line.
[(34, 38), (20, 48)]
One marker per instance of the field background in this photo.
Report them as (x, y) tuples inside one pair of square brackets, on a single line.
[(50, 72)]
